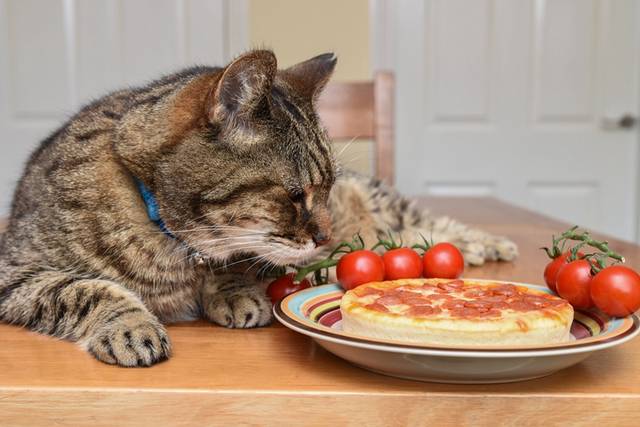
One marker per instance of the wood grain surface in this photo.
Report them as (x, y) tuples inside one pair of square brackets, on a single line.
[(273, 376)]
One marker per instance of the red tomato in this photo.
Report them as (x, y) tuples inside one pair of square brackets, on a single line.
[(444, 261), (616, 290), (359, 267), (551, 270), (283, 286), (573, 283), (402, 263)]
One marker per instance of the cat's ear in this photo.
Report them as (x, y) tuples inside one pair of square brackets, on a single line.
[(311, 76), (243, 86)]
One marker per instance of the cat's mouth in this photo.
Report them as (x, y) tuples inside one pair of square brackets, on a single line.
[(278, 252), (282, 254)]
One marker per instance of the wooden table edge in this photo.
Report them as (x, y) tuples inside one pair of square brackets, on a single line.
[(77, 406)]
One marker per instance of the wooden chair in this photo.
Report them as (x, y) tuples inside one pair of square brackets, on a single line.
[(363, 110)]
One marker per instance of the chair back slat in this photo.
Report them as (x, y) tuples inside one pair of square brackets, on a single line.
[(347, 110), (363, 110)]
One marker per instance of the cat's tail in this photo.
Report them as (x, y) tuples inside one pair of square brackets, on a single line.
[(106, 319)]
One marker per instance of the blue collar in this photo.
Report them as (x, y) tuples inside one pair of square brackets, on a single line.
[(153, 212), (152, 207)]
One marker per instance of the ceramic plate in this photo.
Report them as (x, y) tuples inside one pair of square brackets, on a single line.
[(316, 312)]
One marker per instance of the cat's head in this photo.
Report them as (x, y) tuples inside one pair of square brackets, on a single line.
[(247, 167)]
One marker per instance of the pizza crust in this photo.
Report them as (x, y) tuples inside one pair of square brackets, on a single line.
[(547, 325)]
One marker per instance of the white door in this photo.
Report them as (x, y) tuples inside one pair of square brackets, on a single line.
[(55, 55), (520, 100)]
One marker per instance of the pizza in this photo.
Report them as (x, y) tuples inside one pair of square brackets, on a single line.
[(458, 312)]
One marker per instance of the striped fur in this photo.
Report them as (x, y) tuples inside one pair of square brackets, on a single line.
[(245, 179)]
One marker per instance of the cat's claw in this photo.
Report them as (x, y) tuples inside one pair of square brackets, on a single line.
[(246, 307), (132, 342)]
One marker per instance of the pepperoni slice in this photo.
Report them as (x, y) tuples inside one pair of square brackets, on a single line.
[(477, 293), (506, 290), (364, 291), (538, 302), (405, 294), (521, 305), (466, 312), (478, 305), (440, 296), (500, 305), (416, 301), (454, 304), (451, 286), (389, 300), (494, 299), (377, 307), (456, 283), (422, 310)]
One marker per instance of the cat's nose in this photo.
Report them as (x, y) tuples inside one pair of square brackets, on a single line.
[(321, 238)]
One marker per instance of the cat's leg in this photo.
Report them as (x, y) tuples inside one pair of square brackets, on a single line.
[(365, 205), (477, 245), (235, 301), (105, 318)]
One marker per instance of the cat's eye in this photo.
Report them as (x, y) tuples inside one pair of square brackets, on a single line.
[(296, 196)]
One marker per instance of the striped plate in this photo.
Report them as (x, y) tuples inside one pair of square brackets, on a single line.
[(317, 309)]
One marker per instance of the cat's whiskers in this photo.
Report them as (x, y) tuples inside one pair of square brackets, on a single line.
[(347, 145), (242, 260), (236, 240), (240, 239), (271, 265), (223, 255), (206, 230), (356, 157), (264, 257), (213, 229)]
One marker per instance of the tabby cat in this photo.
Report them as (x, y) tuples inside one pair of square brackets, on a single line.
[(160, 203)]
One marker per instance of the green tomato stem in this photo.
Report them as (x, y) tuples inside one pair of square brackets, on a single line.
[(303, 272), (586, 239)]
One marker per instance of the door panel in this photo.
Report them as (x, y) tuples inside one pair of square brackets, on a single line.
[(564, 60), (508, 99), (460, 61), (57, 55)]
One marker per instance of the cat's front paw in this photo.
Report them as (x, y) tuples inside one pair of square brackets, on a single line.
[(499, 248), (246, 307), (474, 252), (491, 248), (135, 340)]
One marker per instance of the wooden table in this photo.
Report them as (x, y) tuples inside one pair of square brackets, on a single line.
[(276, 376)]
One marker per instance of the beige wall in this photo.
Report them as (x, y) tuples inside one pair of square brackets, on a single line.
[(299, 29)]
